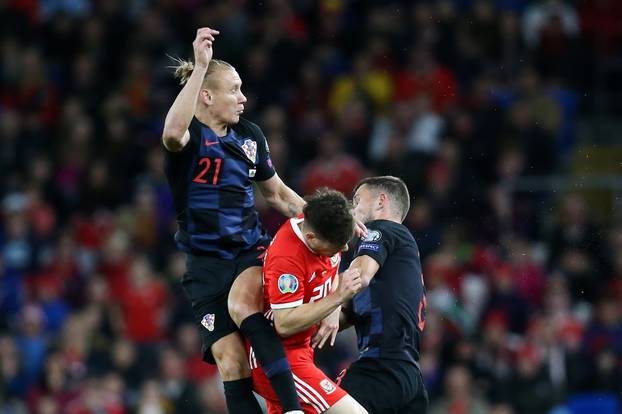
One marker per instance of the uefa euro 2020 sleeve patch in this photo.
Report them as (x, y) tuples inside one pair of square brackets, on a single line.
[(287, 283)]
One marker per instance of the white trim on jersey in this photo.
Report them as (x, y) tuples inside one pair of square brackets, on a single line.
[(286, 305), (311, 392), (294, 223)]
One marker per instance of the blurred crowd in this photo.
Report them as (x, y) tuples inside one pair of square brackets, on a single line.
[(457, 97)]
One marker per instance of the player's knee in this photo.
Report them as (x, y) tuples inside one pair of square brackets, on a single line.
[(240, 310), (231, 362), (245, 297), (231, 367)]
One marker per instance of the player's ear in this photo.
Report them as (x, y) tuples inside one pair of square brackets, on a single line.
[(382, 200), (206, 97)]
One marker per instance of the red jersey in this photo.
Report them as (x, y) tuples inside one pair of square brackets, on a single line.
[(293, 275)]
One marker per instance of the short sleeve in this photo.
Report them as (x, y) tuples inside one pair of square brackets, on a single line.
[(265, 168), (378, 243), (285, 283)]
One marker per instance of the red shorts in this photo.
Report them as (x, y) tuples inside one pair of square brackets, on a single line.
[(316, 392)]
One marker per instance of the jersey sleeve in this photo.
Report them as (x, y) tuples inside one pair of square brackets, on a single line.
[(284, 282), (378, 243), (265, 168)]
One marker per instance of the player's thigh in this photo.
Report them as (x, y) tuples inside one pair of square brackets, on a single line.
[(317, 392), (347, 405), (246, 295), (378, 393), (206, 283), (230, 355)]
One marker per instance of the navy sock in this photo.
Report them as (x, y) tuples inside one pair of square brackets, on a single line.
[(269, 351), (240, 397)]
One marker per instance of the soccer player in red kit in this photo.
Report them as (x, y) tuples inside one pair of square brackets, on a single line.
[(301, 288)]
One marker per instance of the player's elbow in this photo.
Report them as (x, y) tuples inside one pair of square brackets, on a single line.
[(366, 278), (365, 282), (283, 327), (173, 136), (172, 142)]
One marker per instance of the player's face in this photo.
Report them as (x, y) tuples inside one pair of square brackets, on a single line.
[(227, 97), (324, 248), (364, 202)]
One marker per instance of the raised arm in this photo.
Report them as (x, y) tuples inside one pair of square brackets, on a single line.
[(175, 135), (281, 197)]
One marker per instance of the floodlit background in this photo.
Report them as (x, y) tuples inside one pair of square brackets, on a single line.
[(503, 116)]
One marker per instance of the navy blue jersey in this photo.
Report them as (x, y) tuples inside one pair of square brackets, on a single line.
[(211, 181), (389, 315)]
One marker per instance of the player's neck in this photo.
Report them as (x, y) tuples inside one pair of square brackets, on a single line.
[(219, 128), (386, 215), (303, 231)]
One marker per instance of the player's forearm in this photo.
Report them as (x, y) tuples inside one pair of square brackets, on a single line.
[(181, 112), (287, 202), (291, 321)]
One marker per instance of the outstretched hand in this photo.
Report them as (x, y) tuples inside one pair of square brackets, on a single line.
[(327, 329)]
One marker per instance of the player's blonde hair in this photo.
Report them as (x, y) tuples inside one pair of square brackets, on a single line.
[(183, 68)]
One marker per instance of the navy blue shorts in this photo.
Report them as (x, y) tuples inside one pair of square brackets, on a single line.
[(207, 282), (386, 386)]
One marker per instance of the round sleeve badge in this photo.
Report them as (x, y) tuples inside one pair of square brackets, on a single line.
[(373, 236), (287, 283)]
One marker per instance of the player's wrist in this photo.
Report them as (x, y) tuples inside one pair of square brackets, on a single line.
[(339, 298), (200, 68)]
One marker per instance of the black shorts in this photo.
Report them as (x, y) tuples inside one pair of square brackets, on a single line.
[(386, 386), (207, 282)]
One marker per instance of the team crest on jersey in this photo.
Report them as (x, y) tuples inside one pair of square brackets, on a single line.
[(334, 261), (208, 321), (327, 386), (250, 149), (373, 236), (287, 283)]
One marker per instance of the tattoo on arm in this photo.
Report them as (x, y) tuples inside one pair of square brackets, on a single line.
[(293, 210)]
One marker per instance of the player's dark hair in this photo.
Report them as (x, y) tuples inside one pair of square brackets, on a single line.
[(328, 213), (394, 187)]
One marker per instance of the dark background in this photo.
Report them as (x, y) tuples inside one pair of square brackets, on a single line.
[(502, 116)]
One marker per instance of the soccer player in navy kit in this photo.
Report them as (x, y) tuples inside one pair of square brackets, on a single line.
[(389, 315), (212, 158)]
